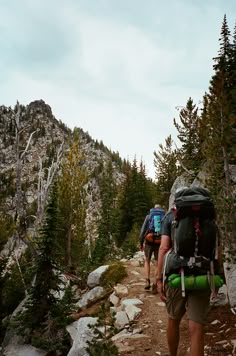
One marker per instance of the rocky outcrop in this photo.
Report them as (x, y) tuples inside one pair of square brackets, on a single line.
[(95, 276), (182, 181), (230, 276), (90, 297), (81, 333), (23, 350)]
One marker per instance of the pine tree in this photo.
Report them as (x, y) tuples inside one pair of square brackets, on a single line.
[(232, 99), (142, 193), (216, 119), (72, 204), (217, 126), (104, 242), (134, 200), (225, 48), (42, 319), (188, 134), (144, 198), (165, 162)]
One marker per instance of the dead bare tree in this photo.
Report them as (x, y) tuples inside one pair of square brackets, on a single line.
[(44, 184)]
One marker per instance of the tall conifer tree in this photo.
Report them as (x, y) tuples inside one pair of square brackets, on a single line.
[(72, 203), (165, 162), (216, 118), (188, 134), (134, 199), (106, 226), (44, 316), (217, 127)]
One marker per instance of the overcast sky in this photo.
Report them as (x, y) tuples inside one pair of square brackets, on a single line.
[(116, 68)]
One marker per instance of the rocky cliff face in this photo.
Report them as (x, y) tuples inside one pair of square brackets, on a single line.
[(47, 135), (33, 133)]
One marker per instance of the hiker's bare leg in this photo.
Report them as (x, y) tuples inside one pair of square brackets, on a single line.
[(196, 338), (147, 268), (173, 336)]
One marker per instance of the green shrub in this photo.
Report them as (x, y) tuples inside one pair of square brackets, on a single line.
[(113, 275)]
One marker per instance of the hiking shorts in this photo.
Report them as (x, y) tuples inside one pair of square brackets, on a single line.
[(195, 302), (150, 249)]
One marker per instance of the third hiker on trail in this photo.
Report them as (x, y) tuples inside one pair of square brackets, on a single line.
[(150, 238)]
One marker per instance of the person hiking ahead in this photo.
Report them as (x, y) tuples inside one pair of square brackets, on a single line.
[(150, 241), (189, 247)]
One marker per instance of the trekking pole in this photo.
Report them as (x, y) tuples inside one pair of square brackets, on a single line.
[(182, 282)]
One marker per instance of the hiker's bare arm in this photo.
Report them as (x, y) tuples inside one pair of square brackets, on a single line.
[(165, 243), (164, 247)]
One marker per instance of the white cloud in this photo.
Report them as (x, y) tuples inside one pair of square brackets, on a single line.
[(123, 55)]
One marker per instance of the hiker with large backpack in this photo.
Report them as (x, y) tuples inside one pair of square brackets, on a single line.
[(150, 238), (187, 265)]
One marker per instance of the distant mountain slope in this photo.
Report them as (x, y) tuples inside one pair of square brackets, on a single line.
[(48, 135)]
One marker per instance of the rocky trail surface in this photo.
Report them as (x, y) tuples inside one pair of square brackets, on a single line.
[(146, 335)]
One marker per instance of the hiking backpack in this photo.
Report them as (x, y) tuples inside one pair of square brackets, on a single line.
[(194, 234), (156, 216), (194, 227)]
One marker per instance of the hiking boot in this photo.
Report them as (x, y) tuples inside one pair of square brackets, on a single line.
[(154, 288), (147, 285)]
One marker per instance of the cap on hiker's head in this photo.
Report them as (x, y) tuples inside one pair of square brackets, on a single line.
[(157, 206)]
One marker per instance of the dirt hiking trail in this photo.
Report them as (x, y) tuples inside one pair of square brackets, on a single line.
[(152, 324)]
